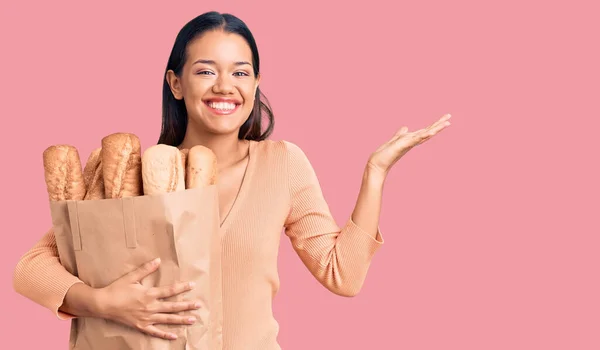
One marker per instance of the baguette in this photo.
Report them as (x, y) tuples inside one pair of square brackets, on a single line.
[(63, 174), (162, 170), (121, 165), (92, 175), (201, 167)]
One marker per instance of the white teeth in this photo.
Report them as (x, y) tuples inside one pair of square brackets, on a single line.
[(227, 106)]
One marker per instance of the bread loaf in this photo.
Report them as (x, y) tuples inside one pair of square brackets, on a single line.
[(92, 175), (90, 166), (63, 174), (201, 167), (121, 165), (162, 170)]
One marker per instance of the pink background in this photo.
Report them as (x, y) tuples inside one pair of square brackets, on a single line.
[(490, 241)]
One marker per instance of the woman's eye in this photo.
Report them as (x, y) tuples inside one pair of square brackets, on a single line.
[(204, 72), (240, 74)]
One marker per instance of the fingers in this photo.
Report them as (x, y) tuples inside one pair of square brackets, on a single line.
[(440, 122), (427, 134), (428, 131), (175, 306), (403, 130), (435, 129), (154, 331), (439, 125), (172, 319), (166, 319), (143, 271), (445, 117), (172, 290)]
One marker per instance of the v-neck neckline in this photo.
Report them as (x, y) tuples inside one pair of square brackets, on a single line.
[(241, 194)]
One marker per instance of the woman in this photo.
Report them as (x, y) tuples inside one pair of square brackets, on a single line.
[(211, 97)]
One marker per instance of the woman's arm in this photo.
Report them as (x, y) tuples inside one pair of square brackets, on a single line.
[(368, 206), (338, 258), (40, 277), (82, 300), (367, 211)]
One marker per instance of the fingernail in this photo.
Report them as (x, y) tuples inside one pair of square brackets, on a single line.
[(192, 284), (172, 336), (197, 305), (156, 261), (191, 319)]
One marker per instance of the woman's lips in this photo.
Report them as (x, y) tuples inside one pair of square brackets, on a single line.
[(222, 107)]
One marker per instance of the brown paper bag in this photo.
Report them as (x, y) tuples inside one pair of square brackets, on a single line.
[(101, 240)]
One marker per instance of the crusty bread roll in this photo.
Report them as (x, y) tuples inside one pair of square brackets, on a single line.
[(90, 166), (201, 167), (92, 175), (122, 165), (63, 174), (162, 170)]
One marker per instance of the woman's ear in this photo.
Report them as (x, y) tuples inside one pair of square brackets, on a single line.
[(174, 84), (257, 82)]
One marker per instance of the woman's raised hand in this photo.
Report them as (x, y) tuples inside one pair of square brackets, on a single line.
[(384, 158)]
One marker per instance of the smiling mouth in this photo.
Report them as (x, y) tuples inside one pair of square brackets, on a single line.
[(221, 107)]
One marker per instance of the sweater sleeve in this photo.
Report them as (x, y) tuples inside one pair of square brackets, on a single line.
[(338, 258), (40, 277)]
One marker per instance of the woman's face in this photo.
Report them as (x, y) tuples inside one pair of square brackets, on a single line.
[(217, 82)]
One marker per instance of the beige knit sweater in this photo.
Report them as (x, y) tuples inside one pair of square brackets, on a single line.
[(280, 190)]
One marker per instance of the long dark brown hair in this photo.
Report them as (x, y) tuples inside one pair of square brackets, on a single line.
[(174, 113)]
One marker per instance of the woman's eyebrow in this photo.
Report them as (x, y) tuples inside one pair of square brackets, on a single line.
[(211, 62)]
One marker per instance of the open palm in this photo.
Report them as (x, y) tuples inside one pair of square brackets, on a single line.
[(390, 152)]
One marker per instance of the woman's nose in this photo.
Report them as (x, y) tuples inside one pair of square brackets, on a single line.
[(223, 85)]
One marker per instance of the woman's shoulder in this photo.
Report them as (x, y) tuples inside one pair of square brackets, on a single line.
[(279, 146), (281, 152)]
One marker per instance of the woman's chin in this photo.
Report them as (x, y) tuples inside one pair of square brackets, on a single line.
[(220, 127), (218, 123)]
